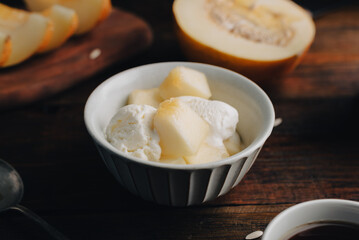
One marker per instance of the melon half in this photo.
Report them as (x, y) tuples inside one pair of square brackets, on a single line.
[(5, 47), (260, 39)]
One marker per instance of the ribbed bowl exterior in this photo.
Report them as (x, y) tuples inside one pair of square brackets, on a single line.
[(176, 187), (172, 184)]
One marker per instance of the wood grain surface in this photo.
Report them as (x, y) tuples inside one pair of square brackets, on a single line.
[(313, 154), (117, 38)]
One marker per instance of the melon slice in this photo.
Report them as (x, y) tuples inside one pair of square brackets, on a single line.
[(65, 22), (258, 38), (5, 47), (28, 32), (90, 12)]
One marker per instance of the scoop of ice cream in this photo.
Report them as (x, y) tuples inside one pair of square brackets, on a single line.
[(221, 117), (131, 131)]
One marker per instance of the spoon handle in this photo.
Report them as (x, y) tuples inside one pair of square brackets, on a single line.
[(51, 230)]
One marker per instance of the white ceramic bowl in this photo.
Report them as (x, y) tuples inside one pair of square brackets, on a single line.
[(309, 212), (181, 185)]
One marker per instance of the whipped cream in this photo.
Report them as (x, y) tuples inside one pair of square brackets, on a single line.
[(131, 132), (221, 117)]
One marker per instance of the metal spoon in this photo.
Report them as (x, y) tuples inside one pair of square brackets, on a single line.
[(11, 191)]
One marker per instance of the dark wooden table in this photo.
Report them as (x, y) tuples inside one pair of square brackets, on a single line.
[(313, 154)]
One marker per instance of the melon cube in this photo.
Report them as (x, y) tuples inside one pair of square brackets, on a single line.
[(145, 96), (182, 81), (181, 129), (172, 160), (233, 144), (207, 153)]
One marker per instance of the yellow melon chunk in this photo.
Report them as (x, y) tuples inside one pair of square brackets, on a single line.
[(183, 81), (181, 130), (145, 96), (233, 144), (90, 12), (172, 160), (28, 32), (65, 24), (207, 153)]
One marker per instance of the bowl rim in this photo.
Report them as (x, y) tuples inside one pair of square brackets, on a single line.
[(288, 211), (256, 144)]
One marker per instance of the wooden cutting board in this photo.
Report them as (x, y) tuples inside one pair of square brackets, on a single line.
[(120, 36)]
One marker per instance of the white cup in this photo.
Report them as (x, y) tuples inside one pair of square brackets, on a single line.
[(309, 212)]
